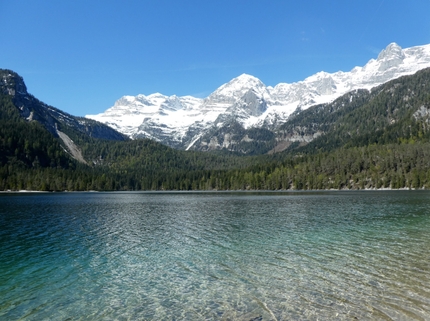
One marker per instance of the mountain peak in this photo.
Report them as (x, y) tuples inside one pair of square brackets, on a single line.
[(11, 83), (246, 77), (236, 87), (392, 51), (245, 81)]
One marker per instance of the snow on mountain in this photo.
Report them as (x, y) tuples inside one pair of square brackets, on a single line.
[(180, 121), (130, 112)]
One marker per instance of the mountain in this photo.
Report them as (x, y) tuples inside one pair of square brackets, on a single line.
[(43, 148), (378, 138), (241, 112), (60, 124), (393, 112)]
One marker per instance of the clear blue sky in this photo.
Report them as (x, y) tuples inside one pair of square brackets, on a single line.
[(81, 56)]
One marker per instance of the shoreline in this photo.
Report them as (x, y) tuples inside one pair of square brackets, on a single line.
[(222, 191)]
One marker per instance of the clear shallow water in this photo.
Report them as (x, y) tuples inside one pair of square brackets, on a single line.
[(215, 256)]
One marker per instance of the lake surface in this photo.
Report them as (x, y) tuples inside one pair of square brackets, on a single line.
[(215, 256)]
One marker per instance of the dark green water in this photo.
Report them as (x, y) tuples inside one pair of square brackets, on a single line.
[(215, 256)]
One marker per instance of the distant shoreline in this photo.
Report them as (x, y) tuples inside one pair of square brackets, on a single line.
[(220, 191)]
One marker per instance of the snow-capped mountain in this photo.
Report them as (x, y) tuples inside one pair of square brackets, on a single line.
[(180, 121)]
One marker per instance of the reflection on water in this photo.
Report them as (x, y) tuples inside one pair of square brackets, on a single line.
[(215, 256)]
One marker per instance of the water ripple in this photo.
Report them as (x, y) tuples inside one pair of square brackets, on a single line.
[(215, 256)]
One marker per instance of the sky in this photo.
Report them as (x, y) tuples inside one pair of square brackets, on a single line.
[(82, 56)]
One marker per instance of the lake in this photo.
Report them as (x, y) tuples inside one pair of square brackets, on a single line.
[(215, 256)]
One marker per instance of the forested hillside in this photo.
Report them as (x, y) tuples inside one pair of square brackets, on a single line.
[(377, 139), (390, 113)]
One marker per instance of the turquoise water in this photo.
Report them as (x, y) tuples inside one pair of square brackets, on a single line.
[(215, 256)]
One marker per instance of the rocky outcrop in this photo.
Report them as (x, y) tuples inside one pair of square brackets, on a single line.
[(51, 118)]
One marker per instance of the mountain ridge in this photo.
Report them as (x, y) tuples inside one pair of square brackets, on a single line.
[(181, 122)]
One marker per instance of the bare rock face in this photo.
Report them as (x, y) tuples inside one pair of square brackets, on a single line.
[(11, 83), (423, 113)]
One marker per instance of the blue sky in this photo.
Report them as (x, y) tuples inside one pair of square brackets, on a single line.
[(81, 56)]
